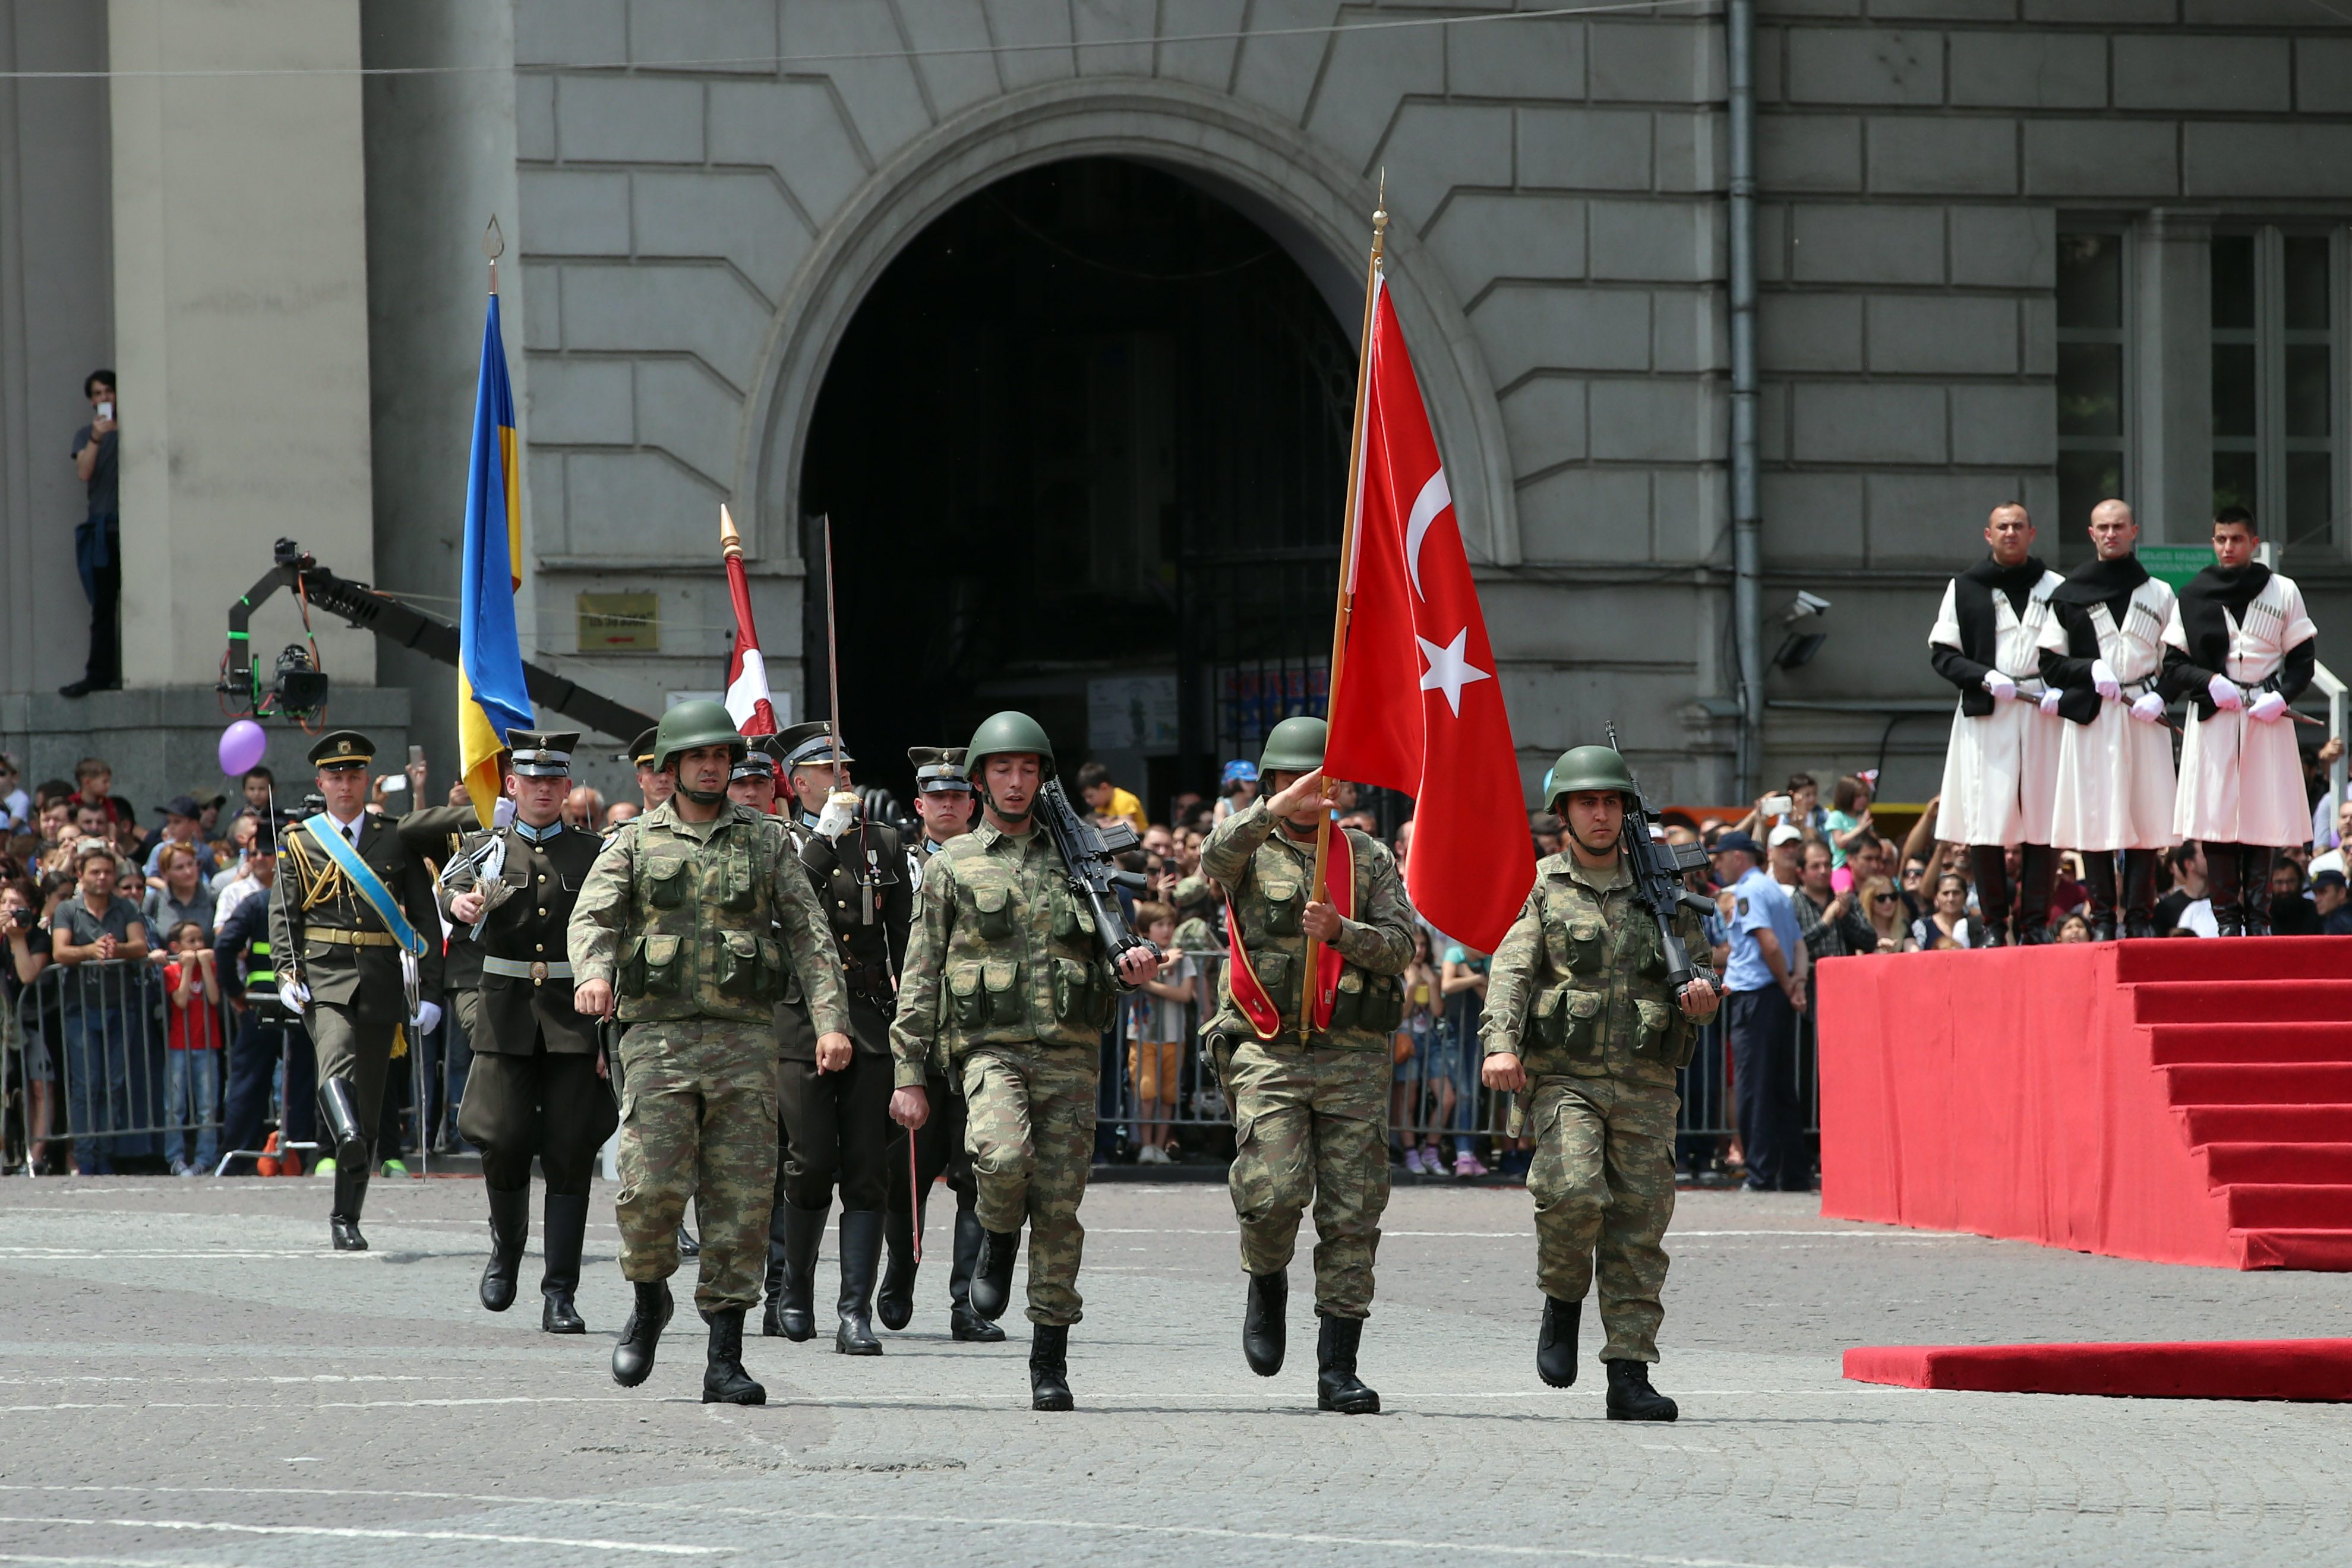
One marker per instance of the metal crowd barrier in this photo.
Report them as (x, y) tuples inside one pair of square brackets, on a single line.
[(116, 1091)]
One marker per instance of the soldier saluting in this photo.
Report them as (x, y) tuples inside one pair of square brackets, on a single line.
[(1581, 1019), (538, 1086), (1309, 1077), (694, 919)]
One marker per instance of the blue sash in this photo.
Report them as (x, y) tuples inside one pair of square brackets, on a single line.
[(339, 850)]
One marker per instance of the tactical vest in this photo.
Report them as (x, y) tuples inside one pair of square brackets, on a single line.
[(1271, 904), (1021, 963), (704, 944), (1601, 1004)]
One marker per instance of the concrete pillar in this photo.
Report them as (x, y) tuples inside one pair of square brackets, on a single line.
[(2172, 339)]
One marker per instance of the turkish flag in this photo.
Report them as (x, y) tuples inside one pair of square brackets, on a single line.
[(748, 703), (1418, 707)]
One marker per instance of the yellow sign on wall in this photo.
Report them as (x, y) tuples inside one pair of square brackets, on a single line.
[(620, 623)]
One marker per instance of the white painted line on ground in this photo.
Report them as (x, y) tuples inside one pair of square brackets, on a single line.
[(329, 1403), (118, 1561), (353, 1532)]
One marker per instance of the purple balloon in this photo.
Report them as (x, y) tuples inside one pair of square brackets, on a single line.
[(242, 744)]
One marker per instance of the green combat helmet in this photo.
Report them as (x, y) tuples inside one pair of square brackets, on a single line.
[(1294, 746), (1007, 732), (1588, 768), (701, 722)]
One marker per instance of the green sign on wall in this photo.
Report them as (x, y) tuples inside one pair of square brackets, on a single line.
[(2176, 564)]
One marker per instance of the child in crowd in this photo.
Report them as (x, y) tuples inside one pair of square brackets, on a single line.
[(192, 1066), (1155, 1043)]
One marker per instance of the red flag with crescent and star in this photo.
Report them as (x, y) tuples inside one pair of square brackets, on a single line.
[(1418, 707)]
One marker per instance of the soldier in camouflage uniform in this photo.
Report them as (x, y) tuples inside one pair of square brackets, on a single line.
[(1310, 1105), (1005, 982), (1580, 1021), (692, 921)]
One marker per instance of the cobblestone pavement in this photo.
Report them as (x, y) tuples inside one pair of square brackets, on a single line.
[(187, 1375)]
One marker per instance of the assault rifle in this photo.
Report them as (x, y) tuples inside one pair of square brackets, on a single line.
[(1658, 867), (1090, 851)]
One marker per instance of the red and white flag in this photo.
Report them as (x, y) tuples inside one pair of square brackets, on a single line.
[(1418, 707), (748, 703)]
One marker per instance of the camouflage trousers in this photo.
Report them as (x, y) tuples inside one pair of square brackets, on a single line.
[(1311, 1125), (1603, 1184), (699, 1120), (1029, 1125)]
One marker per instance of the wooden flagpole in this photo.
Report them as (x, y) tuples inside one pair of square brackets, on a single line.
[(1344, 605)]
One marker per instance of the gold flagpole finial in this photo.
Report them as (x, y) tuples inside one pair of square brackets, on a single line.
[(1381, 217), (494, 246), (731, 543)]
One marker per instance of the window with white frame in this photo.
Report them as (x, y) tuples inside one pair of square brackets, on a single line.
[(2274, 379), (2093, 440)]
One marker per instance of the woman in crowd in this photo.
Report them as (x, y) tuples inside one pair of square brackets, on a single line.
[(1882, 907), (1410, 1051), (182, 896), (23, 1029), (1239, 788), (1950, 923)]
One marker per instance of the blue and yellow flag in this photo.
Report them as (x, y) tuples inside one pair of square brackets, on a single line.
[(492, 696)]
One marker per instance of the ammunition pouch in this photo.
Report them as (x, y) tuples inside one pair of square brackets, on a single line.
[(1569, 1021), (1285, 907), (1083, 997), (994, 907), (1367, 1001), (654, 966)]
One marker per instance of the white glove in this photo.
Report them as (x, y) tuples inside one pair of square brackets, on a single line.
[(2225, 693), (502, 812), (2269, 707), (429, 1015), (2149, 708), (840, 813), (2049, 703), (2104, 680), (294, 994), (2002, 688)]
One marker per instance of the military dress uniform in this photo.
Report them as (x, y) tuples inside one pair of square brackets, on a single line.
[(535, 1089), (1311, 1115), (698, 927), (1578, 992)]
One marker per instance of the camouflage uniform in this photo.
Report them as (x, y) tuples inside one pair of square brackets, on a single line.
[(1578, 992), (1005, 982), (698, 926), (1310, 1118)]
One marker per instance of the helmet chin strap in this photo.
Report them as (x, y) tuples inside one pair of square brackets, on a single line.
[(702, 797)]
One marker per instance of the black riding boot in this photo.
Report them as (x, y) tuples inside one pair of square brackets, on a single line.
[(342, 1117), (2222, 885), (2139, 893), (992, 1279), (1337, 1387), (724, 1381), (1630, 1397), (1049, 1367), (563, 1225), (2254, 886), (962, 1322), (774, 1284), (1263, 1328), (791, 1312), (894, 1303), (633, 1357), (861, 1254), (2099, 877), (509, 1233), (1990, 864), (351, 1196), (1556, 1343), (2037, 873)]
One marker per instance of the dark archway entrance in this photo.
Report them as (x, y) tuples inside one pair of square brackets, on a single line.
[(1084, 447)]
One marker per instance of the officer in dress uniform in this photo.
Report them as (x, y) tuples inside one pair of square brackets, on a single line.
[(945, 806), (539, 1086), (2240, 648), (350, 953), (2114, 759), (2000, 771), (835, 1105)]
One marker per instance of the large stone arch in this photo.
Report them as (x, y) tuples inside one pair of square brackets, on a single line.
[(1260, 164)]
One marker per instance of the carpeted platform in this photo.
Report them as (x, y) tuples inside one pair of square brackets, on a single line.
[(2309, 1369)]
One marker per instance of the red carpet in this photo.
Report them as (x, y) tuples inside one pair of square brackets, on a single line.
[(2223, 1369), (2182, 1101)]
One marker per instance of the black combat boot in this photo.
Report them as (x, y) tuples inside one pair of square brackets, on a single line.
[(2224, 869), (1630, 1397), (2139, 893), (351, 1196), (2099, 877), (2037, 875), (992, 1279), (687, 1247), (791, 1312), (1337, 1387), (861, 1254), (1555, 1341), (1262, 1325), (894, 1303), (633, 1357), (1049, 1367), (1990, 864), (962, 1322), (509, 1233), (563, 1225), (724, 1381)]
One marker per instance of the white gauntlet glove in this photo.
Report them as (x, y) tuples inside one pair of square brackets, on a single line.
[(840, 813), (2269, 707), (2103, 680), (2148, 709), (2049, 703), (294, 994), (2225, 693), (429, 1015), (2002, 688)]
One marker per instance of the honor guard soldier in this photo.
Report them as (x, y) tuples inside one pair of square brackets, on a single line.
[(1005, 986), (1309, 1077), (349, 955), (538, 1087), (945, 806), (835, 1104), (694, 919), (2114, 759), (2240, 648), (753, 781), (1582, 1021), (2000, 771)]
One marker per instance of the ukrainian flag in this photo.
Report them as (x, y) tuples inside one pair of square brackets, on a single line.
[(492, 697)]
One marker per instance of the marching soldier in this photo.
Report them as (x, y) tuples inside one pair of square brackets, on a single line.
[(944, 805), (835, 1105), (1309, 1079), (2000, 771), (693, 920), (654, 787), (341, 922), (1580, 1021), (1006, 985), (537, 1086), (2240, 648), (2114, 759)]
